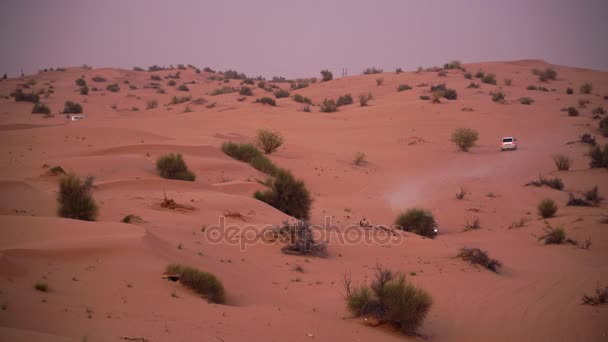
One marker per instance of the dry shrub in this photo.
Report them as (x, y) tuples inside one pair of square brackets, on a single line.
[(75, 198), (547, 208), (359, 158), (206, 284), (477, 256), (465, 138), (172, 166), (562, 162), (599, 297), (268, 140), (300, 240)]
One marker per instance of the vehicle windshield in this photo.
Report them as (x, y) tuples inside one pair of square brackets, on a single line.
[(507, 140)]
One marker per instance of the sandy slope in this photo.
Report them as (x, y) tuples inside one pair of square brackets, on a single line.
[(106, 277)]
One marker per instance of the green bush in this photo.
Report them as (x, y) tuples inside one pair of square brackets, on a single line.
[(268, 141), (41, 108), (417, 221), (75, 198), (81, 82), (586, 88), (327, 75), (177, 100), (365, 98), (403, 87), (553, 236), (248, 153), (20, 96), (172, 166), (222, 91), (267, 100), (281, 93), (465, 138), (455, 64), (206, 284), (547, 208), (344, 100), (246, 91), (114, 87), (301, 99), (288, 195), (329, 106), (546, 75), (71, 107), (489, 79), (389, 299)]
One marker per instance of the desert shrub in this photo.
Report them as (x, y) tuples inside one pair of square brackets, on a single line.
[(80, 82), (223, 90), (246, 91), (403, 87), (600, 296), (84, 90), (468, 75), (545, 75), (98, 79), (508, 82), (547, 208), (572, 111), (555, 183), (586, 88), (442, 73), (172, 166), (155, 78), (267, 100), (131, 219), (206, 284), (177, 100), (359, 158), (598, 110), (250, 154), (75, 199), (553, 236), (208, 69), (455, 64), (465, 138), (498, 97), (569, 91), (365, 98), (461, 194), (417, 221), (327, 75), (234, 75), (171, 83), (437, 96), (450, 94), (372, 70), (562, 162), (472, 225), (41, 286), (583, 103), (281, 93), (489, 79), (587, 138), (41, 108), (379, 81), (306, 108), (300, 239), (389, 299), (71, 107), (599, 157), (473, 85), (288, 195), (20, 96), (593, 196), (138, 69), (532, 87), (183, 87), (301, 99), (328, 106), (249, 81), (479, 257), (479, 74), (578, 202), (114, 87), (181, 67), (262, 84), (603, 125), (425, 97), (398, 70), (344, 100), (526, 101), (151, 104), (268, 141)]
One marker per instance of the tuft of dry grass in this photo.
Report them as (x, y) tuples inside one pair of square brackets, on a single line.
[(599, 297), (477, 256)]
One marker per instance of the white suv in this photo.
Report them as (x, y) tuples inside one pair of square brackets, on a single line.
[(508, 143)]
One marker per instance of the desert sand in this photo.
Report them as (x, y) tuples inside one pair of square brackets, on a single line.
[(106, 277)]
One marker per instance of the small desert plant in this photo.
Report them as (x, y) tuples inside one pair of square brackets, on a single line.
[(246, 91), (389, 299), (572, 111), (344, 100), (20, 96), (75, 199), (172, 166), (373, 70), (403, 87), (155, 78), (553, 236), (72, 108), (603, 126), (468, 75), (508, 82), (437, 95), (41, 286), (479, 74), (593, 196), (84, 90), (183, 87), (465, 138), (547, 208), (569, 91), (582, 103), (526, 101), (177, 100), (599, 111), (417, 221), (473, 85), (359, 158), (442, 73), (328, 106), (301, 99), (131, 219), (268, 141), (114, 87), (461, 194), (222, 91), (379, 81), (41, 108), (151, 104), (171, 83), (267, 100), (532, 87), (600, 296), (248, 153), (477, 256), (425, 97), (498, 97), (364, 99), (489, 79), (281, 93), (327, 75), (586, 88), (80, 82), (206, 284), (288, 195), (562, 162), (98, 79), (450, 94), (398, 70), (306, 108), (587, 138), (300, 240), (472, 225), (555, 183)]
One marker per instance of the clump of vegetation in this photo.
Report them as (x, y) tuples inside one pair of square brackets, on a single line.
[(84, 90), (267, 100), (389, 299), (373, 70), (461, 194), (473, 85), (71, 107), (329, 106), (281, 93), (417, 221), (288, 195), (268, 140), (593, 196), (586, 88), (472, 225), (532, 87), (468, 75), (508, 82), (344, 100), (403, 87), (151, 104), (20, 96), (442, 73), (582, 103), (131, 219), (545, 75), (206, 284), (572, 111), (498, 97), (547, 208), (359, 158), (248, 153), (364, 99), (327, 75), (41, 286), (603, 125), (555, 183), (437, 95), (553, 236), (171, 83), (598, 111), (455, 64), (450, 94), (479, 257), (301, 99), (222, 91), (75, 198), (562, 162), (489, 79), (425, 97), (465, 138), (114, 87), (569, 91), (599, 297), (479, 74), (80, 82), (379, 81), (172, 166), (177, 100), (300, 240), (98, 79), (183, 87), (587, 138), (246, 91), (526, 101), (41, 108)]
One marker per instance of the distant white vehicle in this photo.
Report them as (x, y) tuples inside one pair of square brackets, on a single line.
[(76, 117), (508, 143)]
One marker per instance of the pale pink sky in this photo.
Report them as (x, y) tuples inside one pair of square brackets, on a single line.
[(299, 38)]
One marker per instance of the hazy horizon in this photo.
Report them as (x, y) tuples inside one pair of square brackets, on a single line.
[(298, 38)]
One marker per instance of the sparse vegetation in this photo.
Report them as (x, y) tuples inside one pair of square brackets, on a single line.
[(206, 284), (41, 108), (389, 299), (403, 87), (328, 106), (603, 126), (569, 91), (553, 236), (479, 74), (468, 75), (364, 99), (75, 199), (572, 111), (479, 257), (172, 166), (20, 96), (344, 100), (562, 162), (450, 94), (41, 286), (300, 240), (472, 225), (183, 87), (171, 83), (114, 87), (151, 104), (547, 208), (327, 75), (301, 99), (177, 100), (526, 101), (131, 219), (248, 153), (586, 88), (489, 79), (70, 107), (246, 91), (379, 81), (281, 93), (288, 195), (461, 194), (545, 75), (498, 97), (80, 82), (267, 100), (222, 91), (417, 221), (508, 82), (465, 138), (599, 297), (84, 90), (593, 196), (599, 157), (598, 111), (473, 85), (98, 79), (359, 158), (373, 70), (555, 183), (425, 97), (268, 140)]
